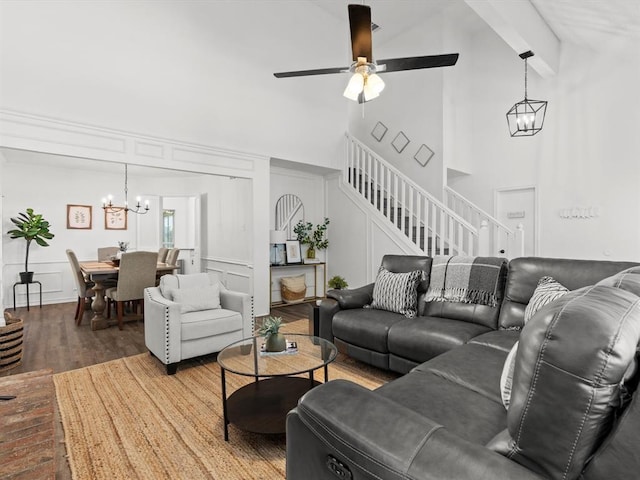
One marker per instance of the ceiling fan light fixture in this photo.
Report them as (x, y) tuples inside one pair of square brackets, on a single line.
[(526, 117), (375, 83), (354, 87)]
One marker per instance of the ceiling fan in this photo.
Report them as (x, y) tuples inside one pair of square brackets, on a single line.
[(365, 84)]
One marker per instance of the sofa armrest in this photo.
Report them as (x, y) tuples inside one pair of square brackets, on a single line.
[(341, 425), (162, 332), (239, 302), (352, 298)]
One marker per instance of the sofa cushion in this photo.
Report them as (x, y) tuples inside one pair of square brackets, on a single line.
[(206, 323), (476, 367), (547, 290), (205, 297), (473, 292), (422, 338), (525, 272), (365, 327), (409, 263), (570, 364), (443, 400), (396, 292)]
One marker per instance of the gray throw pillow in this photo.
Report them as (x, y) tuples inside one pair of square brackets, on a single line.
[(397, 292)]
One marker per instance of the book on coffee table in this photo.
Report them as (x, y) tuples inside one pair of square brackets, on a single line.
[(292, 347)]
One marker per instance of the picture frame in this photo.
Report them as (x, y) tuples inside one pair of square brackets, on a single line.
[(79, 217), (293, 252), (400, 142), (115, 220), (379, 131), (423, 155)]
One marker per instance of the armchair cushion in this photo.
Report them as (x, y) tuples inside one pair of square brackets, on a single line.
[(206, 297), (206, 323)]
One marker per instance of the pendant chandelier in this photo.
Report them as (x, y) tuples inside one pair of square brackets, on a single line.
[(527, 116), (107, 203)]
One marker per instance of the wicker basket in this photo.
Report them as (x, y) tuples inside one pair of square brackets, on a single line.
[(293, 289), (11, 342)]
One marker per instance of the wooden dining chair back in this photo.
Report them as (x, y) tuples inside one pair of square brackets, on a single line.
[(83, 286), (107, 253), (172, 256), (137, 271), (162, 254)]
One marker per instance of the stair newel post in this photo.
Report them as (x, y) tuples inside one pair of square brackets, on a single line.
[(434, 231), (520, 240), (483, 239)]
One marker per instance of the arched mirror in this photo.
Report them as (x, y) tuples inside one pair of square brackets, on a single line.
[(289, 211)]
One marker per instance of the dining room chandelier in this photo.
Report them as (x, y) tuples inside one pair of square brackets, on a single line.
[(526, 117), (107, 203)]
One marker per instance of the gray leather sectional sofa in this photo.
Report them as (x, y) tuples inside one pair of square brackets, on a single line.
[(573, 412)]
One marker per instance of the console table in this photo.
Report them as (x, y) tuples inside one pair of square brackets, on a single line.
[(314, 266)]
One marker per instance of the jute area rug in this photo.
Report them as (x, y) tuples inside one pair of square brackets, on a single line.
[(128, 419)]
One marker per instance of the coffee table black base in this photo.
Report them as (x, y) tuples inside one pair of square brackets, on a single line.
[(262, 406)]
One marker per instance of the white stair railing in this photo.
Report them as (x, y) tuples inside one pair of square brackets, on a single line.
[(501, 240), (426, 221)]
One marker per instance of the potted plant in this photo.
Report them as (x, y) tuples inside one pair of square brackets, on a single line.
[(270, 329), (337, 282), (30, 226), (314, 238)]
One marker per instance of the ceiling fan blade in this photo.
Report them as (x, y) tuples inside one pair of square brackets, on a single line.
[(304, 73), (415, 63), (360, 25)]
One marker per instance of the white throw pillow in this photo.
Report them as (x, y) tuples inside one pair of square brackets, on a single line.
[(506, 379), (196, 299), (548, 290)]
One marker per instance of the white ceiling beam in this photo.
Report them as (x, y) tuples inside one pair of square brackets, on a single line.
[(522, 28)]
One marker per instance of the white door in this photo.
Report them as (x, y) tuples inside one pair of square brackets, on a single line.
[(515, 206)]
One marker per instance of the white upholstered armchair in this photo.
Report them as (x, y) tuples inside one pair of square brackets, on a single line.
[(191, 315)]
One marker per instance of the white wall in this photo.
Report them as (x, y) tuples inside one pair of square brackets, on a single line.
[(200, 72), (586, 155)]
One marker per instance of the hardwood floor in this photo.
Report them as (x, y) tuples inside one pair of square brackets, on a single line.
[(52, 340)]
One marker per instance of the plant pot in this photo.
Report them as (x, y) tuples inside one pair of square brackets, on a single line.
[(311, 252), (26, 277), (275, 343)]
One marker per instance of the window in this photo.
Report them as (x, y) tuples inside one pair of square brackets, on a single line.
[(168, 231)]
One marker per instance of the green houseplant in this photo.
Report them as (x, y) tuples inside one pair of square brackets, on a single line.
[(270, 329), (337, 282), (30, 226), (313, 237)]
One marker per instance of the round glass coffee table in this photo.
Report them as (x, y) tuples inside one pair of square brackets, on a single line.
[(262, 405)]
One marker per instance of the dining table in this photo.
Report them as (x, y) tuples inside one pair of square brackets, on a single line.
[(99, 272)]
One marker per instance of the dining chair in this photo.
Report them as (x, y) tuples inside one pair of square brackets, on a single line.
[(83, 286), (137, 271), (172, 256), (107, 253), (162, 254)]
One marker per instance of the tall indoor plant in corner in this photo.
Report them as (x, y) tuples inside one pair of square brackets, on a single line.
[(30, 226)]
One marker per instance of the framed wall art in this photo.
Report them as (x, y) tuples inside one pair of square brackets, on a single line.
[(79, 217), (378, 131), (400, 142), (423, 155), (115, 220), (293, 251)]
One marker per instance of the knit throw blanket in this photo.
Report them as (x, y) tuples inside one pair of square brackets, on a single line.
[(465, 279)]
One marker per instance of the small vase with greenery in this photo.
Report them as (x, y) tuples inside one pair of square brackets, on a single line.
[(270, 330), (314, 238), (337, 282), (31, 226)]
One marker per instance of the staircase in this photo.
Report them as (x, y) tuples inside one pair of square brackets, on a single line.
[(426, 222)]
